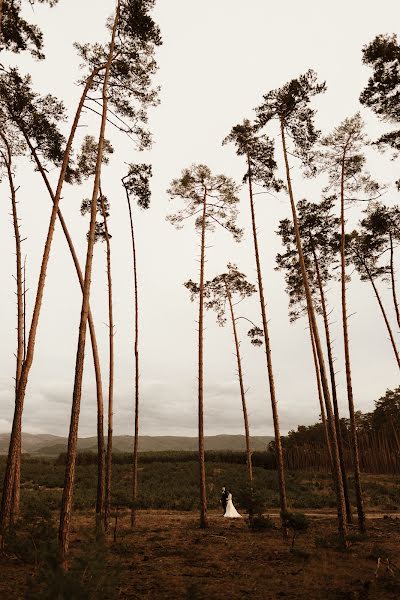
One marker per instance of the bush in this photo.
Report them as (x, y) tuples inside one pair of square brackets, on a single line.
[(89, 577), (261, 523), (297, 522), (33, 539)]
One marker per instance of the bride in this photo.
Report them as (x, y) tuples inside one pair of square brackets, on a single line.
[(231, 512)]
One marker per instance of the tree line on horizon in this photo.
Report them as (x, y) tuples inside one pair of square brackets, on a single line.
[(318, 248)]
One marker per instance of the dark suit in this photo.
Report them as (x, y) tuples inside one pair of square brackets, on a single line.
[(224, 499)]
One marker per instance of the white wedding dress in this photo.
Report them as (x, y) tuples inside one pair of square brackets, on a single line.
[(231, 512)]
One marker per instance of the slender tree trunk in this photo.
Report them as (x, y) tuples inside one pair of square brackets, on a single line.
[(1, 15), (66, 503), (350, 398), (136, 352), (23, 381), (95, 351), (202, 466), (242, 392), (349, 515), (320, 394), (25, 290), (275, 416), (393, 279), (20, 322), (388, 327), (337, 479), (111, 372)]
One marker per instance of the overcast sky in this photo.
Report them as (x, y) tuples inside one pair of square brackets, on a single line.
[(218, 58)]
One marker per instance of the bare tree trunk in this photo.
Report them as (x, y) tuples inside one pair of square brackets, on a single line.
[(350, 398), (136, 352), (320, 393), (242, 392), (337, 479), (7, 156), (66, 503), (1, 15), (23, 381), (349, 515), (388, 327), (95, 351), (392, 276), (275, 416), (111, 372), (202, 466)]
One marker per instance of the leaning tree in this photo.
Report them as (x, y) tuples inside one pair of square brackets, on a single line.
[(84, 169), (319, 232), (41, 126), (342, 159), (10, 148), (290, 107), (136, 185), (212, 201), (126, 93), (28, 116), (382, 223), (364, 250), (258, 151), (222, 294)]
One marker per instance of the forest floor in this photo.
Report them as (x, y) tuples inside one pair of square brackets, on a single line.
[(168, 557)]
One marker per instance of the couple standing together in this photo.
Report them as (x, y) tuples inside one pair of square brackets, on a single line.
[(229, 510)]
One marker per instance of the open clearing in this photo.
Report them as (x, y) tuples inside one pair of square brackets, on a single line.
[(168, 556)]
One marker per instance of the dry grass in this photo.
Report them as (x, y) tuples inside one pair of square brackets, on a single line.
[(169, 557)]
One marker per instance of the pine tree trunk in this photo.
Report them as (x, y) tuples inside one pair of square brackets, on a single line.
[(393, 279), (136, 352), (66, 503), (337, 479), (23, 381), (275, 416), (111, 373), (242, 392), (1, 15), (20, 322), (202, 466), (388, 327), (320, 394), (350, 398), (95, 352), (331, 365)]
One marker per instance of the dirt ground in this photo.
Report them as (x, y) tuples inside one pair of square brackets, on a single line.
[(169, 557)]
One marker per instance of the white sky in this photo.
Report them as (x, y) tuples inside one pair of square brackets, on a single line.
[(218, 58)]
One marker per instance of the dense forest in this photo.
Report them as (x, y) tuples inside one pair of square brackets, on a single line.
[(318, 249)]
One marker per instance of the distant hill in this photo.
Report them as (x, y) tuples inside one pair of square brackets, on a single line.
[(52, 445)]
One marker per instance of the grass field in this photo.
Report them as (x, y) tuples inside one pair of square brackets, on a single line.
[(167, 556), (173, 485)]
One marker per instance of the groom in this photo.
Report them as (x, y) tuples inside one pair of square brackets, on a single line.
[(224, 498)]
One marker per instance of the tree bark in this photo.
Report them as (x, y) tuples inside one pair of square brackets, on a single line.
[(202, 466), (331, 365), (7, 156), (320, 393), (275, 415), (66, 503), (23, 381), (111, 372), (337, 479), (136, 353), (242, 392), (393, 279), (350, 398), (388, 327), (95, 350)]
